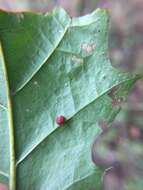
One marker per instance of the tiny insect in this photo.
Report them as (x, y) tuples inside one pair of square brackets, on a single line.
[(60, 120)]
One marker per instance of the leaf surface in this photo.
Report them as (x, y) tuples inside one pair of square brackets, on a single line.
[(56, 66)]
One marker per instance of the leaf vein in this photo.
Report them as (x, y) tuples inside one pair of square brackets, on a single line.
[(20, 160), (44, 61)]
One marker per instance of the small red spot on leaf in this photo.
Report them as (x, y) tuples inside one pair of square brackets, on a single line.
[(60, 120)]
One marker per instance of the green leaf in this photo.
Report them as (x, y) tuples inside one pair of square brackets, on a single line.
[(55, 65)]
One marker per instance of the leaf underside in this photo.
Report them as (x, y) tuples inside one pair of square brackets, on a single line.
[(55, 66)]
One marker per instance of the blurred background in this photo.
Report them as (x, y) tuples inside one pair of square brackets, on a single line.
[(125, 49)]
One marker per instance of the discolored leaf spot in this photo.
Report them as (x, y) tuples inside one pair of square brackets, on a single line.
[(113, 91), (35, 83), (88, 48), (117, 102), (77, 60)]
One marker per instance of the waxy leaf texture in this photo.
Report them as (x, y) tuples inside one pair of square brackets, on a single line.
[(52, 65)]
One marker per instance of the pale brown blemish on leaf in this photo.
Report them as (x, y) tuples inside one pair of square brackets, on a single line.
[(88, 48), (77, 60), (35, 83), (117, 102), (113, 91)]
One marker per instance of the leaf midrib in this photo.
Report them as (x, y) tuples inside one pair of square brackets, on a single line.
[(12, 177)]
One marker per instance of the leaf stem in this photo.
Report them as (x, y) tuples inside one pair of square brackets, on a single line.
[(12, 178)]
